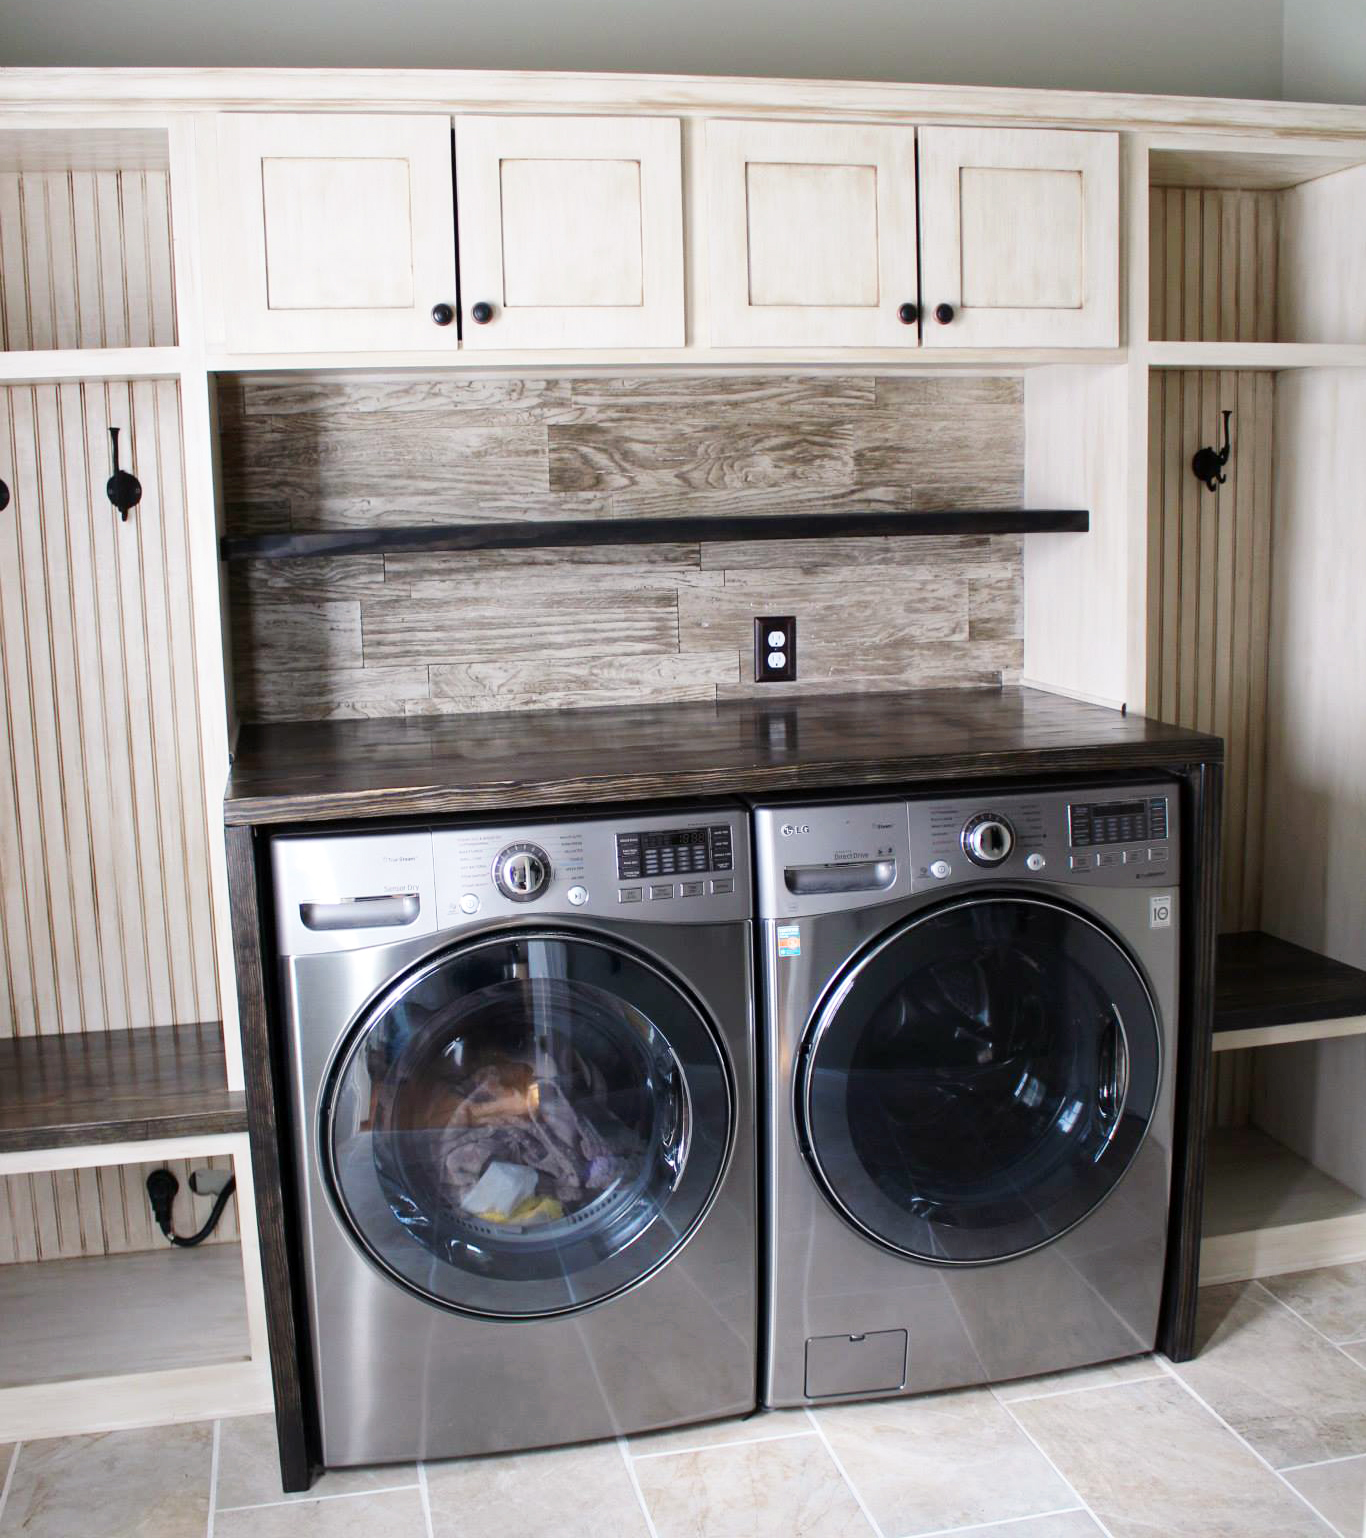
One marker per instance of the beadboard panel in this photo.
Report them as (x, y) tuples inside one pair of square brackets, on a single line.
[(1212, 265), (85, 260), (1209, 594), (447, 633)]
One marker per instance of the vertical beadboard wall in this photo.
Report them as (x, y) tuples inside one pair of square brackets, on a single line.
[(106, 920), (1212, 265), (85, 260)]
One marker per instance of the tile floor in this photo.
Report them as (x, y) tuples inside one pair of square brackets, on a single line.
[(1262, 1436)]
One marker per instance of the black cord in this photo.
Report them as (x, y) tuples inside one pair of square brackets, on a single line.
[(210, 1223), (161, 1189)]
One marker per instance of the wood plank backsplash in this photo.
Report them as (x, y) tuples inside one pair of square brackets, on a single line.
[(507, 630)]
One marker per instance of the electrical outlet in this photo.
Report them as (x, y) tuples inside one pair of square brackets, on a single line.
[(206, 1182), (775, 648)]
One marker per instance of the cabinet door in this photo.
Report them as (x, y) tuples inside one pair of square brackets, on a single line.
[(571, 231), (811, 234), (1019, 232), (338, 232)]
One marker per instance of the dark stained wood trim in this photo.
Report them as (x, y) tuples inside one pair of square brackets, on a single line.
[(563, 533), (93, 1087), (435, 765), (1261, 980), (1202, 814), (287, 1331)]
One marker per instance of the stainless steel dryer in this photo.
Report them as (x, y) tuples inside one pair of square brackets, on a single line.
[(970, 1018), (522, 1104)]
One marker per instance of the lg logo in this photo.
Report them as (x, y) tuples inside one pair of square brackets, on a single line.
[(789, 828)]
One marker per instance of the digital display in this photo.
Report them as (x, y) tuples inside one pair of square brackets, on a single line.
[(1117, 822), (673, 852)]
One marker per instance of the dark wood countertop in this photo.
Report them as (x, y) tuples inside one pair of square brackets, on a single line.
[(428, 765)]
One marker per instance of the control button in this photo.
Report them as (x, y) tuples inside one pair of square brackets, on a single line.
[(628, 894), (1158, 853), (1135, 856), (661, 891), (690, 889), (578, 895), (469, 903), (719, 888), (1082, 862), (1107, 859), (1035, 861), (940, 869)]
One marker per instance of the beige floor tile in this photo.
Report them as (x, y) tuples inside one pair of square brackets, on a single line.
[(1292, 1395), (1357, 1351), (393, 1514), (1332, 1299), (787, 1489), (1130, 1371), (571, 1492), (143, 1484), (1337, 1491), (763, 1427), (943, 1460), (1149, 1460), (1059, 1524), (249, 1468)]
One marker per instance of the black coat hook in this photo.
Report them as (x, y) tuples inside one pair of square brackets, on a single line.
[(4, 496), (1208, 463), (124, 490)]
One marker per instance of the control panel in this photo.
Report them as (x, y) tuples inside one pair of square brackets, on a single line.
[(345, 891)]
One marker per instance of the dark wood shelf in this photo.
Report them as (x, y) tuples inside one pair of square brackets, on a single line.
[(1262, 981), (569, 532), (116, 1087)]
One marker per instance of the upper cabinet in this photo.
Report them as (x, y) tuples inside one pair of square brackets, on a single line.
[(571, 232), (1019, 233), (811, 235), (336, 232)]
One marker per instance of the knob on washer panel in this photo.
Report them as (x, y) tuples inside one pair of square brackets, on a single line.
[(521, 872), (988, 838)]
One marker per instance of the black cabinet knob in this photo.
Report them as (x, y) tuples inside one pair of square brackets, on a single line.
[(908, 314), (443, 314), (943, 313), (482, 313)]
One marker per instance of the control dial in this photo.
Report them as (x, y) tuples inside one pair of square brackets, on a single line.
[(988, 838), (521, 872)]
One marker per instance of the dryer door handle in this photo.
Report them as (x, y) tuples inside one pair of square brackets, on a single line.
[(379, 912), (1113, 1089), (852, 876)]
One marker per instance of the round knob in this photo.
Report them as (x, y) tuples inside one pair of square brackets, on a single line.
[(443, 314), (943, 313), (521, 872), (908, 314), (988, 839), (482, 313)]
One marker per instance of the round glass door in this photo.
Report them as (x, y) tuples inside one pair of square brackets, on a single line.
[(527, 1124), (979, 1080)]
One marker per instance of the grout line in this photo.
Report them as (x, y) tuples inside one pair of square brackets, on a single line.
[(426, 1498), (213, 1479), (1264, 1461), (1337, 1346), (1361, 1342), (844, 1474), (713, 1447), (1082, 1388), (1038, 1447), (976, 1527), (1323, 1463), (622, 1448), (9, 1477), (313, 1500)]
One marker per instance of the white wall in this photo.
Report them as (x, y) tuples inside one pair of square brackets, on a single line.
[(1324, 50), (1210, 48)]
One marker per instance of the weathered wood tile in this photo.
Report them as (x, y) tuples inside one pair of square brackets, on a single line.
[(558, 684), (301, 635), (995, 604), (852, 554), (510, 565), (332, 693), (767, 393), (372, 402), (526, 586), (324, 579), (948, 664), (915, 393), (499, 625)]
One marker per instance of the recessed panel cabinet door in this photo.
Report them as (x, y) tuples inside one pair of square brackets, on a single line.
[(571, 232), (1019, 232), (338, 232), (811, 235)]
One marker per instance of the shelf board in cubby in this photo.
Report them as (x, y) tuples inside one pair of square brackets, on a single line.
[(78, 1090), (81, 364), (1268, 991), (1254, 355)]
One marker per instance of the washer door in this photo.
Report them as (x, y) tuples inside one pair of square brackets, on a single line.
[(978, 1081), (526, 1124)]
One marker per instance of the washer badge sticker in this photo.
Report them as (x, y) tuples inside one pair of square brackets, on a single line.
[(1160, 911), (789, 939)]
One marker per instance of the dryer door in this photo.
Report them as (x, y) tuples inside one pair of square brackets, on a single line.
[(979, 1079), (527, 1123)]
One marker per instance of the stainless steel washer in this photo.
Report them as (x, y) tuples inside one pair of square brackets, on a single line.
[(521, 1073), (970, 1020)]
